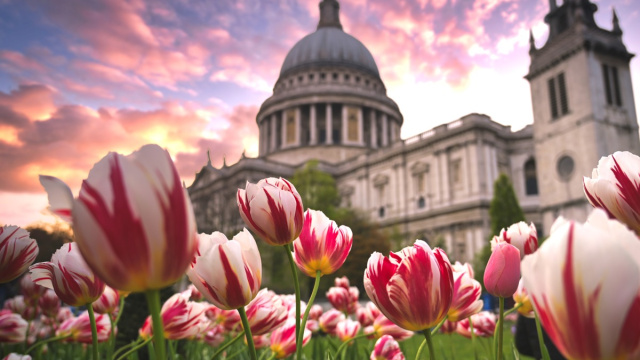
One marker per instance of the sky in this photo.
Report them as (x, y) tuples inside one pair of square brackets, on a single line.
[(80, 78)]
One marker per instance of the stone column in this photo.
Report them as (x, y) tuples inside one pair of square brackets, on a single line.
[(344, 125), (393, 126), (283, 129), (298, 137), (329, 125), (374, 132), (274, 127), (360, 127), (385, 130), (313, 138)]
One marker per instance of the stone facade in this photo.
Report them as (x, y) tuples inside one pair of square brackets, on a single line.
[(330, 104)]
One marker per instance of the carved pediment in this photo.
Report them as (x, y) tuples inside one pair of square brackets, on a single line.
[(380, 180), (419, 167)]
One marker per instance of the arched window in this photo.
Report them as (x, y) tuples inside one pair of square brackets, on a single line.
[(381, 212), (421, 202), (530, 177)]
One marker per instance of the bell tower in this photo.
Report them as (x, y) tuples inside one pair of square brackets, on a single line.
[(583, 105)]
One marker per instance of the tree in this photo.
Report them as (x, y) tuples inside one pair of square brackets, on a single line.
[(316, 188), (504, 211)]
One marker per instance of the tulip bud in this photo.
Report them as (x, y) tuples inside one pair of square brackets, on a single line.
[(329, 320), (17, 252), (283, 339), (13, 328), (79, 328), (266, 312), (502, 274), (108, 302), (272, 208), (484, 325), (386, 348), (347, 329), (520, 235)]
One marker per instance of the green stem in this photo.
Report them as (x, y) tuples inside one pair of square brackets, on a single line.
[(135, 348), (344, 344), (500, 325), (94, 331), (120, 310), (473, 339), (153, 301), (518, 306), (273, 356), (296, 284), (247, 333), (226, 345), (300, 336), (435, 329), (429, 343), (125, 347), (543, 347), (42, 342)]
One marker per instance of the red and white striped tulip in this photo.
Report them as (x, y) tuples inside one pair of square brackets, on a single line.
[(466, 296), (412, 287), (347, 329), (312, 325), (13, 328), (30, 290), (69, 276), (584, 283), (132, 220), (227, 272), (283, 339), (17, 252), (230, 320), (613, 187), (329, 320), (260, 341), (520, 235), (367, 314), (449, 327), (214, 336), (315, 312), (266, 312), (383, 326), (79, 328), (484, 325), (181, 319), (502, 274), (521, 298), (108, 302), (193, 293), (290, 303), (343, 299), (341, 282), (63, 314), (272, 208), (322, 245), (466, 267), (14, 356), (19, 306), (386, 348), (49, 304)]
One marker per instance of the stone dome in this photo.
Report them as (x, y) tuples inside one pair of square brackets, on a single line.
[(329, 46)]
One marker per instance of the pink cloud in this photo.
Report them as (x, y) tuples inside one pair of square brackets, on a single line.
[(13, 60)]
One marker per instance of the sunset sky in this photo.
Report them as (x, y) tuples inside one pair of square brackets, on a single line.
[(80, 78)]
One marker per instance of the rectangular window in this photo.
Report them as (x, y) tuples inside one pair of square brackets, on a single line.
[(552, 98), (456, 172), (352, 124), (291, 126), (611, 85), (558, 99)]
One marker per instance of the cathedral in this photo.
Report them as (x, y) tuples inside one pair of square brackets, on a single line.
[(330, 104)]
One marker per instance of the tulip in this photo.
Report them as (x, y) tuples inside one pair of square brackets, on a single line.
[(345, 300), (261, 341), (14, 356), (502, 273), (108, 302), (227, 273), (312, 325), (584, 283), (386, 348), (322, 245), (466, 297), (18, 306), (367, 314), (290, 303), (449, 327), (522, 299), (214, 336), (520, 235), (272, 208), (413, 287), (266, 312), (13, 328), (132, 220), (69, 276), (230, 320), (63, 314), (181, 319), (193, 293), (466, 267), (30, 290), (78, 329), (342, 282), (49, 303), (17, 252), (383, 326), (329, 320), (484, 325), (613, 187), (315, 312), (347, 329), (283, 339)]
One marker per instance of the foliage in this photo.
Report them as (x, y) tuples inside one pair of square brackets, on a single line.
[(504, 211), (49, 240), (317, 188)]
